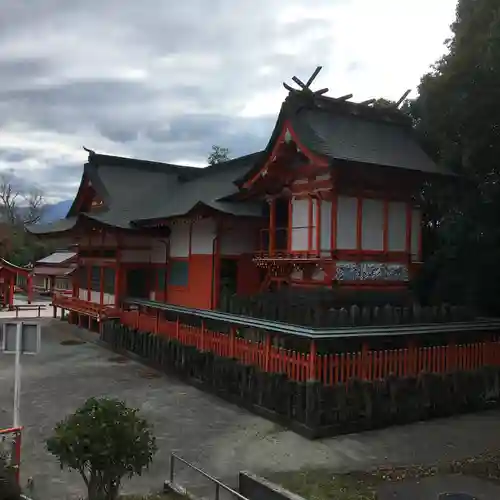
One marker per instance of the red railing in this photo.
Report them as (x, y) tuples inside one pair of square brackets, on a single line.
[(82, 306), (10, 446), (330, 369), (278, 242)]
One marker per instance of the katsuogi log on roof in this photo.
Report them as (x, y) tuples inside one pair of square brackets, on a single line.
[(127, 193)]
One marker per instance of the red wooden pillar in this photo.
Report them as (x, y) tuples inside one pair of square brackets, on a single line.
[(408, 230), (101, 285), (267, 352), (290, 226), (359, 224), (333, 234), (365, 365), (232, 341), (89, 279), (385, 227), (17, 455), (309, 224), (202, 336), (118, 271), (12, 280), (30, 288), (272, 226), (311, 376), (318, 226)]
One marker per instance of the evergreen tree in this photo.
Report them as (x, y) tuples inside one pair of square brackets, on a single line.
[(457, 116)]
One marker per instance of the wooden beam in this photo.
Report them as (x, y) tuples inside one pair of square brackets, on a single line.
[(314, 75)]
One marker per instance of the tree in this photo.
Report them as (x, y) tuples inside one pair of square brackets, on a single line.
[(218, 155), (104, 441), (457, 116), (19, 204)]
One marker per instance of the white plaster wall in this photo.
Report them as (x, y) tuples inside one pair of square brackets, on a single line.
[(39, 281), (323, 177), (238, 240), (134, 240), (128, 255), (202, 237), (326, 226), (397, 226), (415, 234), (300, 221), (159, 251), (319, 275), (314, 222), (108, 299), (179, 240), (372, 225), (347, 210), (97, 239), (297, 275), (95, 297)]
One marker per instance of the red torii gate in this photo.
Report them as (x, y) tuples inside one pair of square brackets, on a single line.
[(8, 275)]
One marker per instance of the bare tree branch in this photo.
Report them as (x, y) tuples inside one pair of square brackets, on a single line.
[(8, 199), (19, 204), (35, 204)]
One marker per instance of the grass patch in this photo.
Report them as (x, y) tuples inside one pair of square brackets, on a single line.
[(72, 342), (323, 484)]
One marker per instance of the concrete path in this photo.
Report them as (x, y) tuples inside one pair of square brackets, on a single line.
[(20, 299), (215, 435)]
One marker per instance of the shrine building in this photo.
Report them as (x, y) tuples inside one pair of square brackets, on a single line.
[(328, 202)]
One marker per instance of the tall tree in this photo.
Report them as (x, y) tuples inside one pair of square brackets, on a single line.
[(457, 115), (218, 155)]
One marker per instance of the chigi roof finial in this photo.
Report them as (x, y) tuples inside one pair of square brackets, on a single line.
[(305, 87)]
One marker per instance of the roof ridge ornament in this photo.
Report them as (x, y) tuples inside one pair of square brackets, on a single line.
[(89, 151), (305, 87)]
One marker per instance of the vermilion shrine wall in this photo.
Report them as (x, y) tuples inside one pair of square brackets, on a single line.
[(184, 267)]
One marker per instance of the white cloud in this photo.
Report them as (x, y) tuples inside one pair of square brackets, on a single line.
[(167, 81)]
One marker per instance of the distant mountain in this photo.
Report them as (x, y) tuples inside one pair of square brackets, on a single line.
[(56, 211)]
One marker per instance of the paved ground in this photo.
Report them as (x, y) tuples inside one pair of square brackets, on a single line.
[(432, 487), (20, 299), (215, 435)]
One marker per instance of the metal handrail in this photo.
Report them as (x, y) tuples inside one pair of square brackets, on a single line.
[(218, 484), (323, 333)]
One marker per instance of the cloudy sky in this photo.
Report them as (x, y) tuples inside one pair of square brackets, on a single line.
[(164, 79)]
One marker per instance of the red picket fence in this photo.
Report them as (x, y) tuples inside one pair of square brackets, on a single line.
[(330, 369)]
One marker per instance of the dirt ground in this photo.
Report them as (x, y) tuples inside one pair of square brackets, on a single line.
[(217, 436)]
